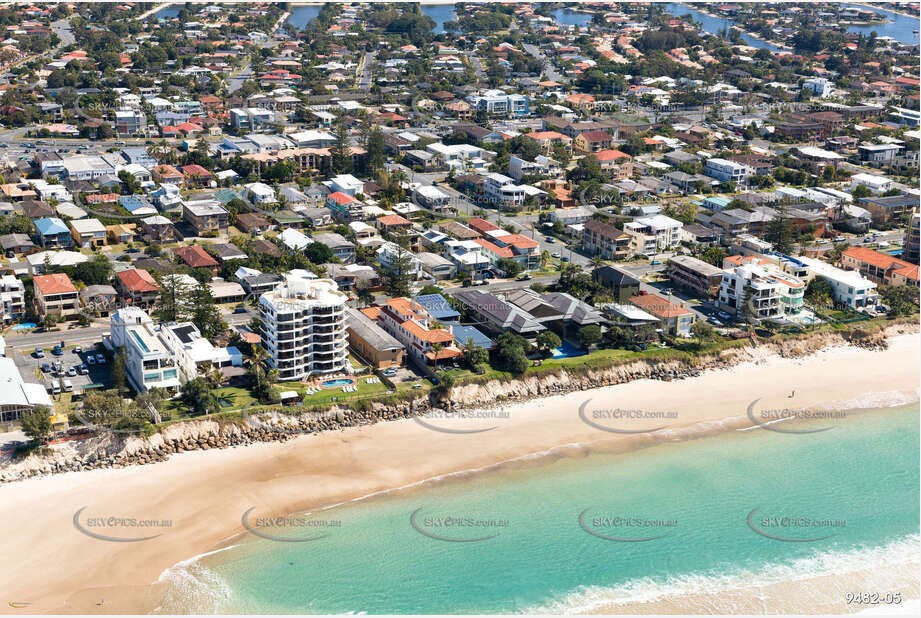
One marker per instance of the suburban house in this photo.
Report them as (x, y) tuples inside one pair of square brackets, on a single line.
[(88, 233), (53, 233), (620, 284), (196, 257), (137, 286), (675, 319), (55, 294)]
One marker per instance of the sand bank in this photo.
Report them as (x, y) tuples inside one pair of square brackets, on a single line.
[(196, 500)]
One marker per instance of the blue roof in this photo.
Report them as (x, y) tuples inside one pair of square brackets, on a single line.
[(437, 306), (132, 203), (51, 225), (463, 333)]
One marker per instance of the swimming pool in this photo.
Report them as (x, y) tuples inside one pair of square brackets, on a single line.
[(337, 382), (24, 326), (567, 350)]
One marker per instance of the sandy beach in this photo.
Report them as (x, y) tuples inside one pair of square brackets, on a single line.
[(199, 498)]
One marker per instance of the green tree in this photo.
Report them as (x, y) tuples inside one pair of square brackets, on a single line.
[(397, 278), (713, 255), (511, 352), (780, 231), (130, 184), (901, 300), (819, 293), (509, 266), (589, 335), (118, 372), (200, 397), (703, 332), (173, 300), (341, 150), (474, 355), (204, 313), (36, 423), (547, 341)]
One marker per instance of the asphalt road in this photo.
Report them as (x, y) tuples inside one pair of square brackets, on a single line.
[(74, 334), (549, 69), (366, 71)]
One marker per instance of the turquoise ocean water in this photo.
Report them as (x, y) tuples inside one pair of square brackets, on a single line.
[(854, 487)]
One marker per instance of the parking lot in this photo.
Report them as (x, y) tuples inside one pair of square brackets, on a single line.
[(35, 369)]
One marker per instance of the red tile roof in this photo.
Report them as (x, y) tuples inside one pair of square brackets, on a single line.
[(138, 280), (58, 283), (195, 256), (482, 225), (658, 306), (340, 198), (393, 220)]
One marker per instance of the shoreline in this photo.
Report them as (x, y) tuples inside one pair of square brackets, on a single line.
[(317, 471)]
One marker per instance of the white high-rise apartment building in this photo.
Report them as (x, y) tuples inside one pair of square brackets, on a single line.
[(303, 327)]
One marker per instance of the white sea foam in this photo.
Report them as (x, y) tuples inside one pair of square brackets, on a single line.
[(902, 554), (190, 581)]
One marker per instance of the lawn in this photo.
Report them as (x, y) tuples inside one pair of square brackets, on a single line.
[(235, 398)]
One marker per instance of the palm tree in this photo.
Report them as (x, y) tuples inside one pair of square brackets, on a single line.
[(215, 376), (597, 261), (257, 355)]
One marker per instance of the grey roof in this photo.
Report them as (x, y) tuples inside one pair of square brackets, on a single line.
[(609, 274), (8, 241), (500, 314), (699, 266), (97, 290), (228, 251), (368, 329), (572, 308), (333, 240), (531, 301)]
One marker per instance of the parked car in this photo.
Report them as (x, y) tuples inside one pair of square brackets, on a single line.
[(480, 282), (90, 360), (71, 371), (724, 315), (78, 350), (550, 239), (524, 277), (68, 386), (46, 368), (39, 353), (100, 359), (83, 370), (57, 351)]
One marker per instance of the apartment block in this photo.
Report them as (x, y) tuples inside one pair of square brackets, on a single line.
[(760, 290), (694, 274), (605, 240), (12, 297), (304, 327)]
